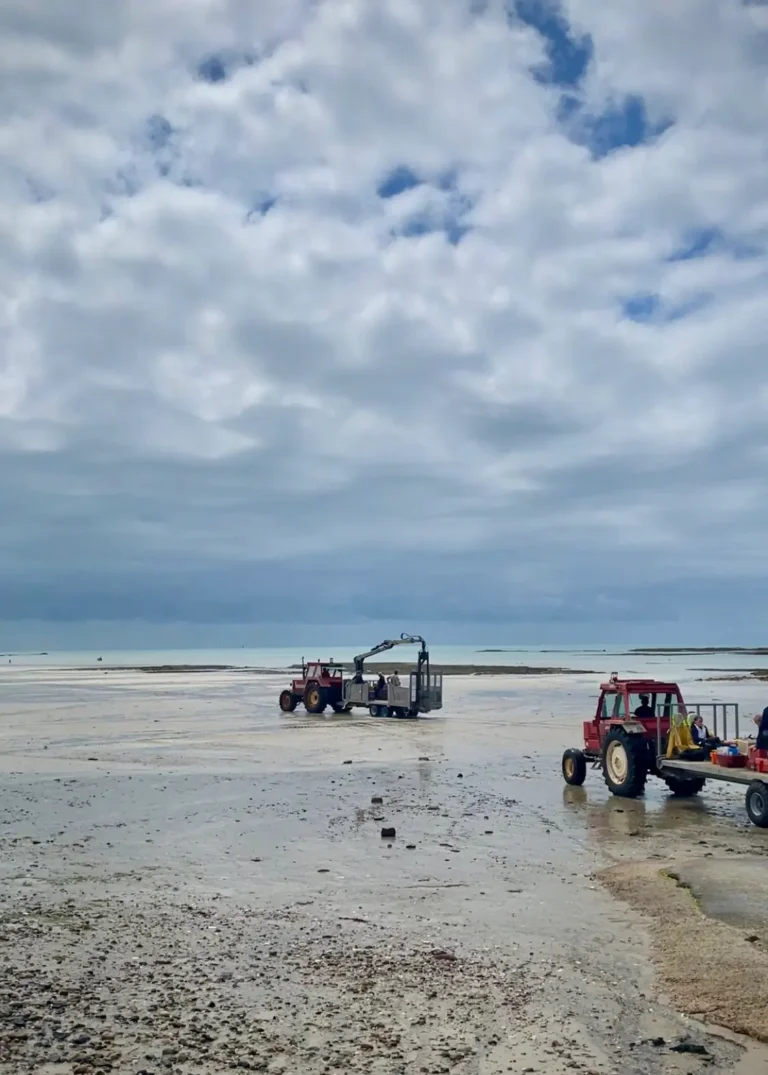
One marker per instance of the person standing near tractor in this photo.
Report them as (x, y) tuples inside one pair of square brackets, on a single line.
[(761, 720)]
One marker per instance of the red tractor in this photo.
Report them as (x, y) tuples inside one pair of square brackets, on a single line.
[(321, 685), (628, 736)]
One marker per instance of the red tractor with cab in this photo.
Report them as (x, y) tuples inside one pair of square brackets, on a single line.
[(627, 737), (321, 685)]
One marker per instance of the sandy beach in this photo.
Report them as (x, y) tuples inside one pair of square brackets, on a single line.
[(191, 881)]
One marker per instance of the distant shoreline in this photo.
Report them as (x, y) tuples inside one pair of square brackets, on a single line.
[(372, 669), (660, 651)]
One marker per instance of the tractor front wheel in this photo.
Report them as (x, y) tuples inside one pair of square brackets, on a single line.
[(757, 803), (684, 786), (574, 768), (288, 701), (625, 763), (314, 699)]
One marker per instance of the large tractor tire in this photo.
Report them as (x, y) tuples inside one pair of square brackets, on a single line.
[(757, 803), (288, 701), (314, 698), (684, 786), (625, 763), (574, 768)]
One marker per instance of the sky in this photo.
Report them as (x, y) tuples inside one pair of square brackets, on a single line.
[(332, 312)]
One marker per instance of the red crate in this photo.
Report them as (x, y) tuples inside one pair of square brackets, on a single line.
[(731, 761)]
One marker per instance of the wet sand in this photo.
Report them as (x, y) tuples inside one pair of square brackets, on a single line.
[(192, 882)]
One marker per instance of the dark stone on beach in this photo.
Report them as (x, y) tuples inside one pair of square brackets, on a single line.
[(423, 757), (388, 832), (689, 1047), (461, 776), (347, 762), (377, 799), (410, 847)]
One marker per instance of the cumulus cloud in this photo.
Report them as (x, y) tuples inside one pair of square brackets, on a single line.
[(317, 309)]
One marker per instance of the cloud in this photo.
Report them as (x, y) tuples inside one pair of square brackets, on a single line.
[(314, 310)]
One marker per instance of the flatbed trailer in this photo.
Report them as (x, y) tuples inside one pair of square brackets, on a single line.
[(756, 783)]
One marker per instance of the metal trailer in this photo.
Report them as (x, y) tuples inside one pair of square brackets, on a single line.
[(421, 694), (756, 800)]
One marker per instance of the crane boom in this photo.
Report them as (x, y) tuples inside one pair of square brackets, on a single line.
[(387, 644)]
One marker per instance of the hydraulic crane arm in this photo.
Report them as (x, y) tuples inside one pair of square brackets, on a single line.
[(388, 643)]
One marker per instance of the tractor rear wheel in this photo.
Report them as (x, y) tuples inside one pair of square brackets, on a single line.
[(574, 768), (757, 803), (314, 698), (625, 763), (288, 701), (684, 786)]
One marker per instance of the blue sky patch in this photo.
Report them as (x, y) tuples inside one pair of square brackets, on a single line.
[(212, 69), (400, 179), (568, 56), (159, 132), (701, 242), (621, 126), (647, 307), (260, 208), (219, 66), (641, 308), (697, 244)]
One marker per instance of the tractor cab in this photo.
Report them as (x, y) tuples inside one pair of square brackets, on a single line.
[(646, 706), (325, 671)]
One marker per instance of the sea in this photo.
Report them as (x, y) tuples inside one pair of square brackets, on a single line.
[(595, 660)]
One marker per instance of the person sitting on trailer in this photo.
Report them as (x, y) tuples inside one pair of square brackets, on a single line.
[(645, 710), (380, 690), (762, 730), (698, 732), (701, 735)]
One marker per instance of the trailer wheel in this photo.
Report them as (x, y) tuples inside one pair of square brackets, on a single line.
[(574, 768), (684, 786), (625, 763), (314, 699), (288, 701), (757, 803)]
